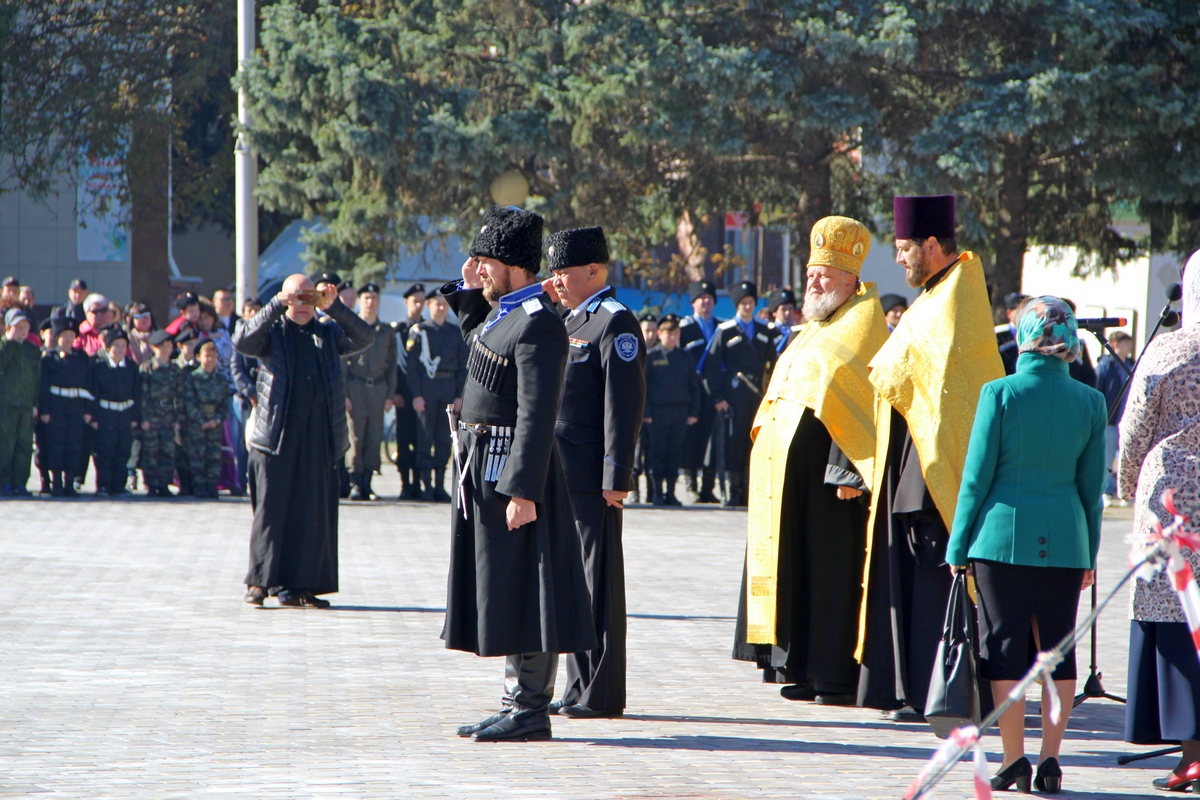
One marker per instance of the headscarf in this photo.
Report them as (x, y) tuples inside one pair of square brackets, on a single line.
[(1048, 326), (1191, 290)]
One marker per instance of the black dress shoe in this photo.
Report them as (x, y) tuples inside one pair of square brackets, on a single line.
[(255, 595), (578, 711), (470, 730), (798, 691), (512, 729), (293, 599), (707, 497), (1049, 777), (1019, 772), (558, 705), (830, 699), (906, 714)]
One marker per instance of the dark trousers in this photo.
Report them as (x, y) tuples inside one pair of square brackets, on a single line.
[(16, 445), (158, 453), (698, 454), (366, 424), (114, 438), (670, 429), (62, 441), (529, 683), (406, 443), (596, 678), (433, 429)]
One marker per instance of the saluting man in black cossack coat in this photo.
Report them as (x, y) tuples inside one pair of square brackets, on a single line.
[(517, 586), (599, 420)]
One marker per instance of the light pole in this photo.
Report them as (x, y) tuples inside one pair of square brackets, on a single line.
[(245, 170)]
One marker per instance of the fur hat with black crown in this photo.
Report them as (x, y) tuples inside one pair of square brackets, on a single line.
[(576, 248), (512, 236)]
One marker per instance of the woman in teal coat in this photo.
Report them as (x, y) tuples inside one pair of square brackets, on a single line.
[(1028, 522)]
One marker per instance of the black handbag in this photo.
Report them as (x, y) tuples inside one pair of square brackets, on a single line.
[(953, 698)]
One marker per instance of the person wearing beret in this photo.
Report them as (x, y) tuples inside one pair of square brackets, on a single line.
[(894, 306), (599, 419), (930, 374), (188, 305), (406, 417), (695, 333), (64, 405), (781, 306), (736, 370), (20, 376), (370, 387), (116, 412), (1028, 524), (517, 586)]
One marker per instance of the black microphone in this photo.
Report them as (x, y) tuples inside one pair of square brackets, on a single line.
[(1174, 293), (1100, 323)]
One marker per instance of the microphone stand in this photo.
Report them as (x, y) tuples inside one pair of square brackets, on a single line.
[(1092, 687)]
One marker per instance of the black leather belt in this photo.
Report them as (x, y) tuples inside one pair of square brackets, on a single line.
[(369, 381)]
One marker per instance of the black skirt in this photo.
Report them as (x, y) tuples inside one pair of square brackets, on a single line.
[(1010, 596), (1164, 684)]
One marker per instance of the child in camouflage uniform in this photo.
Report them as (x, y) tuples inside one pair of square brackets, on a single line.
[(162, 381), (20, 377), (206, 405), (186, 340)]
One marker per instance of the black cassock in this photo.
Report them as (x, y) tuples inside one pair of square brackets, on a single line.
[(821, 550), (513, 592), (909, 583)]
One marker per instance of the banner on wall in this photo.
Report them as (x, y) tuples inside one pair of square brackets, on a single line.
[(102, 233)]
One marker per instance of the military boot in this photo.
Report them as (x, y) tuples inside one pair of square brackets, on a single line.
[(69, 485), (427, 493), (356, 487), (366, 485), (56, 484), (733, 495), (439, 493)]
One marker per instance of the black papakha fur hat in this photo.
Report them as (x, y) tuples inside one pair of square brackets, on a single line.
[(512, 236), (576, 248)]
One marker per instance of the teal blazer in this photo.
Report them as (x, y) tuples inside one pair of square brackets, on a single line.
[(1031, 488)]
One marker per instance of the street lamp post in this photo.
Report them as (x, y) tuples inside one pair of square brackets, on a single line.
[(245, 170)]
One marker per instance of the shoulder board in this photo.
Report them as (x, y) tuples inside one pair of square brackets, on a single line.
[(762, 337), (687, 321), (532, 305), (1002, 328), (694, 344), (612, 305), (728, 325)]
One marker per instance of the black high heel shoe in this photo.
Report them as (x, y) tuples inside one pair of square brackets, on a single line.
[(1019, 772), (1049, 777)]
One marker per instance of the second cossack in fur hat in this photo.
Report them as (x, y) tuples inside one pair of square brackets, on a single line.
[(576, 248)]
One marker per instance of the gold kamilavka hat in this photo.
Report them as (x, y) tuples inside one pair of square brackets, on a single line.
[(841, 243)]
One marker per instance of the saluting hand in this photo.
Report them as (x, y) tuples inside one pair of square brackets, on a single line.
[(520, 512), (551, 292), (470, 274)]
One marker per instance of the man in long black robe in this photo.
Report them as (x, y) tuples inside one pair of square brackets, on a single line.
[(299, 438)]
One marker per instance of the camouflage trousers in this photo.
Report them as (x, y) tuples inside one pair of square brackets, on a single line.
[(204, 454), (158, 454)]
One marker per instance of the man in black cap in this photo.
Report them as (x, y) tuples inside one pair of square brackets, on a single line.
[(77, 292), (406, 417), (64, 405), (348, 294), (894, 306), (117, 412), (436, 359), (300, 436), (370, 387), (781, 305), (604, 394), (736, 370), (695, 332), (641, 456), (517, 586), (673, 398)]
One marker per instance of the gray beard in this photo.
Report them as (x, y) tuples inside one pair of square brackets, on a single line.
[(820, 307)]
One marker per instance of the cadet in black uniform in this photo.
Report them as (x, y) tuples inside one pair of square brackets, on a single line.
[(370, 387), (695, 332), (740, 358), (116, 386), (517, 586), (65, 404), (437, 371), (406, 418), (604, 393), (641, 456), (781, 305), (673, 397)]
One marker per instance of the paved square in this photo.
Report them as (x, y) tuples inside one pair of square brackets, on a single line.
[(130, 668)]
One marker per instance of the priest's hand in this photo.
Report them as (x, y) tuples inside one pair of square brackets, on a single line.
[(614, 498), (1089, 577), (520, 512), (848, 492), (470, 274)]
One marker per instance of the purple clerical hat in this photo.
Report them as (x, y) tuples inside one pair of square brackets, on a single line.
[(923, 216)]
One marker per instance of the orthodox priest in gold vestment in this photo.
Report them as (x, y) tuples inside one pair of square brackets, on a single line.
[(814, 445), (927, 378)]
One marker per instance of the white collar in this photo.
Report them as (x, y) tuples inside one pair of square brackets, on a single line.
[(111, 363), (583, 306)]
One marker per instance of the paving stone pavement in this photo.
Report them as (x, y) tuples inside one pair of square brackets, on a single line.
[(130, 668)]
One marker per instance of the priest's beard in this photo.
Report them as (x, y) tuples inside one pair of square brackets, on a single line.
[(494, 289), (916, 275), (818, 307)]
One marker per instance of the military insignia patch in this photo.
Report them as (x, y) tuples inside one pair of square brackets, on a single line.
[(626, 345)]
